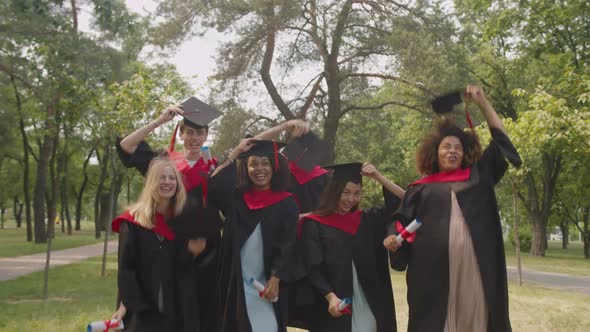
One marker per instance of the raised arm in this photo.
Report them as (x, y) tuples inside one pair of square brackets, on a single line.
[(475, 94), (295, 127), (370, 171), (130, 143)]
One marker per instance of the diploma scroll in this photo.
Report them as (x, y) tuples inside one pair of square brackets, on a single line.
[(344, 304), (105, 326), (408, 232), (207, 158), (261, 289)]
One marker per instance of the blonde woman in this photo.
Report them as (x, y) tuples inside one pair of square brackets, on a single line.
[(148, 254)]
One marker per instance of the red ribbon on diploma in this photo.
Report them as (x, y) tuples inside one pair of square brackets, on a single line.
[(108, 324), (401, 230)]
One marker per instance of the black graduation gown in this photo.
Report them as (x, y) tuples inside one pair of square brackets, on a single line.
[(329, 253), (146, 264), (427, 258), (196, 277), (278, 224), (308, 194)]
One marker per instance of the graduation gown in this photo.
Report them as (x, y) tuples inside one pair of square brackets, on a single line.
[(331, 251), (197, 280), (307, 186), (278, 227), (427, 258), (146, 276)]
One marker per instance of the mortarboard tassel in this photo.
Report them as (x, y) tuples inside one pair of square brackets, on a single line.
[(276, 155), (173, 140)]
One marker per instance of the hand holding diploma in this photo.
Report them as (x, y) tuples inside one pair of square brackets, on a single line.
[(393, 242), (264, 291), (344, 304), (338, 307), (105, 326)]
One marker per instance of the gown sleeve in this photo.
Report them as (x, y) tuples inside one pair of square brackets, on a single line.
[(131, 294), (285, 263), (314, 257), (405, 214), (493, 161), (221, 188), (139, 159)]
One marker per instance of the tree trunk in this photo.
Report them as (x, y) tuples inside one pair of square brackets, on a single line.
[(2, 212), (26, 180), (586, 234), (41, 188), (51, 197), (80, 194), (539, 207), (104, 164), (516, 234), (18, 212), (563, 227)]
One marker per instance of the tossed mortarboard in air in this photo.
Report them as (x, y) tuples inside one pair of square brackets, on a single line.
[(350, 172), (445, 103), (306, 151)]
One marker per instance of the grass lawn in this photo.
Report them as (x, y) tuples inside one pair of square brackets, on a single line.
[(13, 241), (568, 261), (79, 295)]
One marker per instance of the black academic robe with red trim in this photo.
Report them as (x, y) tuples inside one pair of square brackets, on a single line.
[(307, 186), (278, 223), (146, 266), (329, 251), (427, 258), (197, 276)]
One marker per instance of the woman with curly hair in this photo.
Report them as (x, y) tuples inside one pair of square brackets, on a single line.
[(456, 267)]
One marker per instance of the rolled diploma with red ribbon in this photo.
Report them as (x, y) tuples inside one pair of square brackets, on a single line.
[(104, 326), (409, 230), (207, 158), (261, 289), (345, 303)]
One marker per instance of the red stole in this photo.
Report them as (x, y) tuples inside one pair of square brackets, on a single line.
[(192, 176), (458, 175), (160, 227), (348, 223), (302, 176), (260, 199)]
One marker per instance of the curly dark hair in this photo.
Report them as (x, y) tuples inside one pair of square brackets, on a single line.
[(278, 183), (427, 153)]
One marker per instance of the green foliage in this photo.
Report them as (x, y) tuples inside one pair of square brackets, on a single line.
[(525, 236)]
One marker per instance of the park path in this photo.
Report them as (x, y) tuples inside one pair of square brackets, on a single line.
[(564, 282), (14, 267)]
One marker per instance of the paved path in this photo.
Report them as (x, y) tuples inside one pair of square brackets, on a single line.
[(558, 281), (14, 267)]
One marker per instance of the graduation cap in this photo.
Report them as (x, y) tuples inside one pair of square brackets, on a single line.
[(350, 172), (445, 103), (197, 113), (306, 151), (264, 148)]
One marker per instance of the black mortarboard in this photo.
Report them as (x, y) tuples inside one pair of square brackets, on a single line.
[(445, 103), (306, 151), (199, 112), (347, 172), (263, 148)]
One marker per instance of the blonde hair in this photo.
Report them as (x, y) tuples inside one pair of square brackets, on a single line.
[(144, 210)]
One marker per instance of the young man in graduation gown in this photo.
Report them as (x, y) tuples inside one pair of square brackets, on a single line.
[(456, 268), (259, 237), (345, 257), (199, 224), (147, 277)]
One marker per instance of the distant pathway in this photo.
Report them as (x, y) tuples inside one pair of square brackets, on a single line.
[(558, 281), (14, 267)]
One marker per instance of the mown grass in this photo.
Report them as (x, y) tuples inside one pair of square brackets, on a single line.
[(13, 241), (567, 261), (78, 295)]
